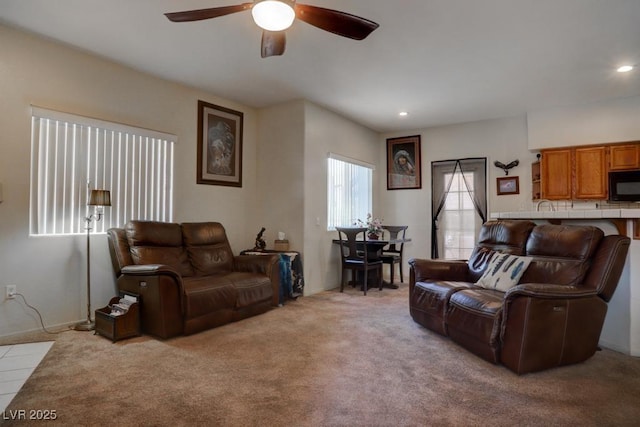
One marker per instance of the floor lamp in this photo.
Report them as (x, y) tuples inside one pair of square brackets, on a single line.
[(98, 199)]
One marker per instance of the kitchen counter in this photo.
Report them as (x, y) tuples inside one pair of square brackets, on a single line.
[(617, 217), (571, 214)]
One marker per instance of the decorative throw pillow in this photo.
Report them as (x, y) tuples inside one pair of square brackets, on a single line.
[(504, 271)]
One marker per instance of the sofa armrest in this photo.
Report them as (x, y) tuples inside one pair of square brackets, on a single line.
[(435, 269), (255, 263), (546, 325), (161, 294), (549, 291), (264, 264), (146, 269)]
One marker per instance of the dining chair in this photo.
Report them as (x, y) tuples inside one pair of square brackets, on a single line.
[(392, 254), (355, 256)]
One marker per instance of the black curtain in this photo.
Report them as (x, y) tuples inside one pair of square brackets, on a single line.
[(440, 187)]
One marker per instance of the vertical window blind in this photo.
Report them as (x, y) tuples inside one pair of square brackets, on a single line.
[(72, 154), (350, 191)]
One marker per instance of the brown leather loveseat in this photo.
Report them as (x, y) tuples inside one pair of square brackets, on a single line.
[(187, 276), (553, 316)]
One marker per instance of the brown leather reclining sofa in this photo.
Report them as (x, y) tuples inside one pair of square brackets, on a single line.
[(188, 278), (552, 317)]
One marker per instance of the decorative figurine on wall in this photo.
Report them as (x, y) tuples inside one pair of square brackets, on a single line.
[(506, 167), (260, 243)]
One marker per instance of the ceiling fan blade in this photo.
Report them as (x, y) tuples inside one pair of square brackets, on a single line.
[(273, 43), (200, 14), (340, 23)]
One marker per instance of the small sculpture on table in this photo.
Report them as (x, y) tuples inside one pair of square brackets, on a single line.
[(260, 243)]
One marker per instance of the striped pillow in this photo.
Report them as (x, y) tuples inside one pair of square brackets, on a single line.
[(504, 271)]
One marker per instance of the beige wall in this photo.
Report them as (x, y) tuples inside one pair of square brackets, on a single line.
[(600, 122), (327, 132), (280, 167), (50, 271), (295, 138)]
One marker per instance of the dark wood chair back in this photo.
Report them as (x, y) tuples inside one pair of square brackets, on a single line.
[(395, 232), (392, 254), (354, 254), (349, 243)]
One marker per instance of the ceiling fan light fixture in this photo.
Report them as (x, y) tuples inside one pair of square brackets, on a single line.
[(273, 15)]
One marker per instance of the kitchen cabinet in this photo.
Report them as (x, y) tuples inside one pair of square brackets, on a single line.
[(590, 179), (626, 156), (574, 173), (535, 181), (555, 174)]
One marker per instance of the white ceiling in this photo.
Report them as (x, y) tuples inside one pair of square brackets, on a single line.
[(444, 61)]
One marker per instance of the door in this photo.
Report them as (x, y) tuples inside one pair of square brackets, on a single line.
[(459, 206)]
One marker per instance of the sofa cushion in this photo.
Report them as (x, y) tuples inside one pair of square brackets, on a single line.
[(251, 288), (208, 248), (207, 294), (504, 271), (428, 302), (509, 236), (506, 236), (562, 254), (564, 241), (474, 317), (152, 242)]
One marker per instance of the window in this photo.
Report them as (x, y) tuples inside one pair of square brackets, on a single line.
[(349, 191), (72, 154)]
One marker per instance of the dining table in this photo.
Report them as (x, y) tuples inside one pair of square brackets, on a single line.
[(375, 249)]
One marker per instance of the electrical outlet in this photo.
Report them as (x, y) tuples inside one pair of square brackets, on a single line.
[(10, 292)]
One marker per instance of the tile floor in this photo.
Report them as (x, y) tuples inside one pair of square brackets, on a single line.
[(17, 363)]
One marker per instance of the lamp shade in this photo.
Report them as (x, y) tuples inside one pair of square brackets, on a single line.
[(100, 198), (273, 15)]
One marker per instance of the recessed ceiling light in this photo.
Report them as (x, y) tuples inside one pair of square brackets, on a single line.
[(625, 68), (403, 113)]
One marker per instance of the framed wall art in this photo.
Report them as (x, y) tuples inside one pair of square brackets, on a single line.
[(219, 145), (508, 185), (403, 163)]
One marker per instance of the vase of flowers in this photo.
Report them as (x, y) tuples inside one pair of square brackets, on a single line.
[(374, 227)]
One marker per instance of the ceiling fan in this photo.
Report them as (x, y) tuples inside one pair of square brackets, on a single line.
[(275, 16)]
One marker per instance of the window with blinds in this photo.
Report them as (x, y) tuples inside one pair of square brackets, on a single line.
[(350, 191), (72, 154)]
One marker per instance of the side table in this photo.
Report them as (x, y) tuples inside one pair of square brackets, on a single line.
[(291, 277)]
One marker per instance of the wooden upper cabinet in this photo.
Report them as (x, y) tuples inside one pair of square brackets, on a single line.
[(582, 172), (574, 173), (590, 173), (555, 174), (625, 156)]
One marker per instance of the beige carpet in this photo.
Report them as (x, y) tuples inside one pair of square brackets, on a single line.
[(327, 360)]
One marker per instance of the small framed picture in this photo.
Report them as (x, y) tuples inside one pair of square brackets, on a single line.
[(219, 145), (508, 185), (403, 163)]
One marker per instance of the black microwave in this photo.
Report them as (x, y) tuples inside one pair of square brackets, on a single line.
[(624, 186)]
